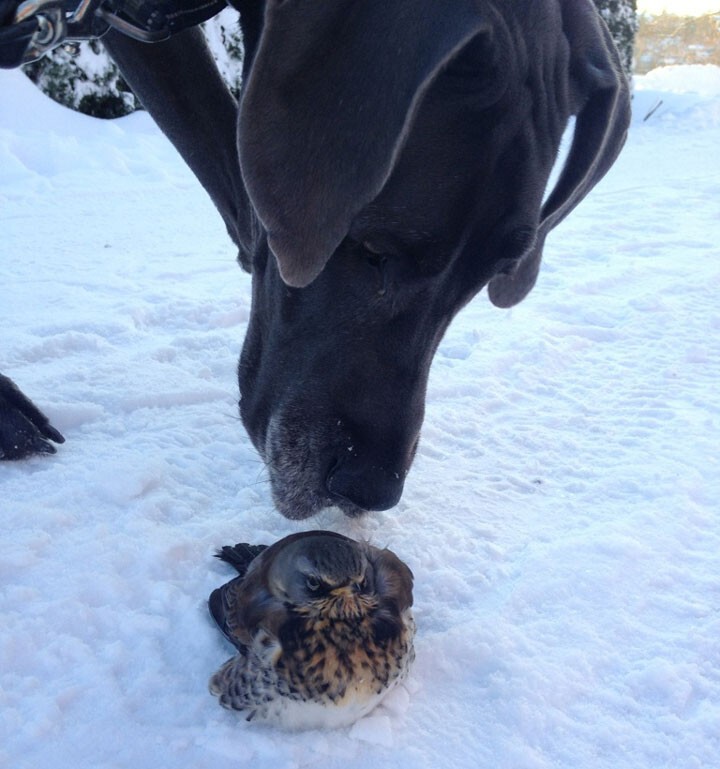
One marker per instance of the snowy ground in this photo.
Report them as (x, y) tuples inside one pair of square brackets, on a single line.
[(562, 517)]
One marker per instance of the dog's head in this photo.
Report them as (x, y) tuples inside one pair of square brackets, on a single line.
[(396, 155)]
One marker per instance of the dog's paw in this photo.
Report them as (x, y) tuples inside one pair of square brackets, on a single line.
[(24, 429)]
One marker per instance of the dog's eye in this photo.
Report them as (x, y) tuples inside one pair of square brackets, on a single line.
[(373, 248), (376, 260), (375, 253)]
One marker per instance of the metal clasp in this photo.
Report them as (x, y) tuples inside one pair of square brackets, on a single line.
[(56, 23), (51, 27)]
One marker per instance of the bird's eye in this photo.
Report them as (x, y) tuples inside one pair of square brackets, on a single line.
[(312, 583)]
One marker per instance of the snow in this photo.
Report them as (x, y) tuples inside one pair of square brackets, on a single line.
[(562, 518)]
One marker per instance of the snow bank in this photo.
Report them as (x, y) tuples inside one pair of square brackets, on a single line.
[(562, 517)]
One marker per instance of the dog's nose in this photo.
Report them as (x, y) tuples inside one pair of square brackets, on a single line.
[(366, 485)]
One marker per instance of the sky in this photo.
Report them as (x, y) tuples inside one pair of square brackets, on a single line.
[(680, 7)]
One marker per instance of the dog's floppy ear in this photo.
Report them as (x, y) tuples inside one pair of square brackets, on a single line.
[(599, 96), (332, 92)]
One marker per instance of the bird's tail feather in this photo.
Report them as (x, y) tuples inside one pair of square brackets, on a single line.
[(240, 555)]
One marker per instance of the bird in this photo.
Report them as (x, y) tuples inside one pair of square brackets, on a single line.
[(322, 625)]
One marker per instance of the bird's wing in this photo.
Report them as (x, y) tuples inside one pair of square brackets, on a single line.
[(393, 587), (244, 606), (248, 681), (223, 609), (393, 578)]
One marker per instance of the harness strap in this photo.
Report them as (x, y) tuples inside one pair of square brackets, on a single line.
[(30, 28), (14, 37), (152, 20)]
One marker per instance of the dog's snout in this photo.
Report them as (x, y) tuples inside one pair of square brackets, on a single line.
[(366, 485)]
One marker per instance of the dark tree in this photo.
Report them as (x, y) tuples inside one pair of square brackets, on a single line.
[(621, 18)]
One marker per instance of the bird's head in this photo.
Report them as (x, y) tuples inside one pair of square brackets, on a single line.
[(327, 576), (324, 574)]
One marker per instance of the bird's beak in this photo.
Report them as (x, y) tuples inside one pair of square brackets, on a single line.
[(346, 591)]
